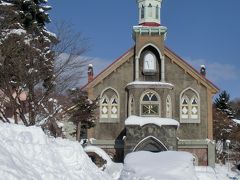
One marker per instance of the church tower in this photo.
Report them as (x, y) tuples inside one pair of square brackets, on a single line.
[(149, 12), (149, 36)]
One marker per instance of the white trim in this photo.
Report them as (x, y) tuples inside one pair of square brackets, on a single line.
[(137, 68), (129, 105), (107, 89), (146, 45), (199, 107), (158, 102), (170, 101), (148, 137), (147, 84)]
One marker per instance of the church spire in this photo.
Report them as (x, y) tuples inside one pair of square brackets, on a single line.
[(149, 12)]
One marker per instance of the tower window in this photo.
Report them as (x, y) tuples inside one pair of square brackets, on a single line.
[(142, 12), (150, 10), (157, 12)]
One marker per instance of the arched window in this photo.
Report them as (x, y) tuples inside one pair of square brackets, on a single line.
[(157, 12), (142, 12), (194, 108), (109, 106), (150, 104), (190, 105), (150, 10), (185, 107), (149, 64), (131, 106), (104, 107), (168, 107), (114, 107)]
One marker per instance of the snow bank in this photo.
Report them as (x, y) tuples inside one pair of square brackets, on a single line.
[(113, 169), (141, 121), (27, 153), (169, 165), (206, 173), (236, 121)]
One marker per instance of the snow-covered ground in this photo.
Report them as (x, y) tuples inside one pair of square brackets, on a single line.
[(27, 153)]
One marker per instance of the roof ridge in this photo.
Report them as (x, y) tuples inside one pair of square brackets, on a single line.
[(116, 60), (194, 69)]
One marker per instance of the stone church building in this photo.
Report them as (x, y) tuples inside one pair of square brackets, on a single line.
[(151, 99)]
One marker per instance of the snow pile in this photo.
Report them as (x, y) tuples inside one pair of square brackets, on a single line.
[(169, 165), (237, 121), (27, 153), (113, 169), (205, 173), (141, 121)]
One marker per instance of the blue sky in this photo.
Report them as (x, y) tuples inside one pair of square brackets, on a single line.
[(201, 32)]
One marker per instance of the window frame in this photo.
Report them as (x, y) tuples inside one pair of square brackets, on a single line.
[(195, 95), (131, 105), (158, 102), (109, 118), (170, 107)]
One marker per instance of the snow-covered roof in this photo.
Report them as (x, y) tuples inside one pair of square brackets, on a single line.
[(152, 84), (141, 121)]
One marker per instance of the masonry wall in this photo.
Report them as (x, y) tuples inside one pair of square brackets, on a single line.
[(117, 80), (182, 80)]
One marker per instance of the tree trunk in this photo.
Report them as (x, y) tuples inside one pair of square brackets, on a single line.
[(78, 131), (31, 105), (15, 115)]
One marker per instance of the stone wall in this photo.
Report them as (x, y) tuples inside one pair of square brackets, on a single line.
[(164, 136)]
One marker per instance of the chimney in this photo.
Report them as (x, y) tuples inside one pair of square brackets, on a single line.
[(203, 70), (90, 73)]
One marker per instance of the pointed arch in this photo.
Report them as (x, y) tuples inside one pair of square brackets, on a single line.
[(152, 45), (189, 106), (150, 143), (109, 105)]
